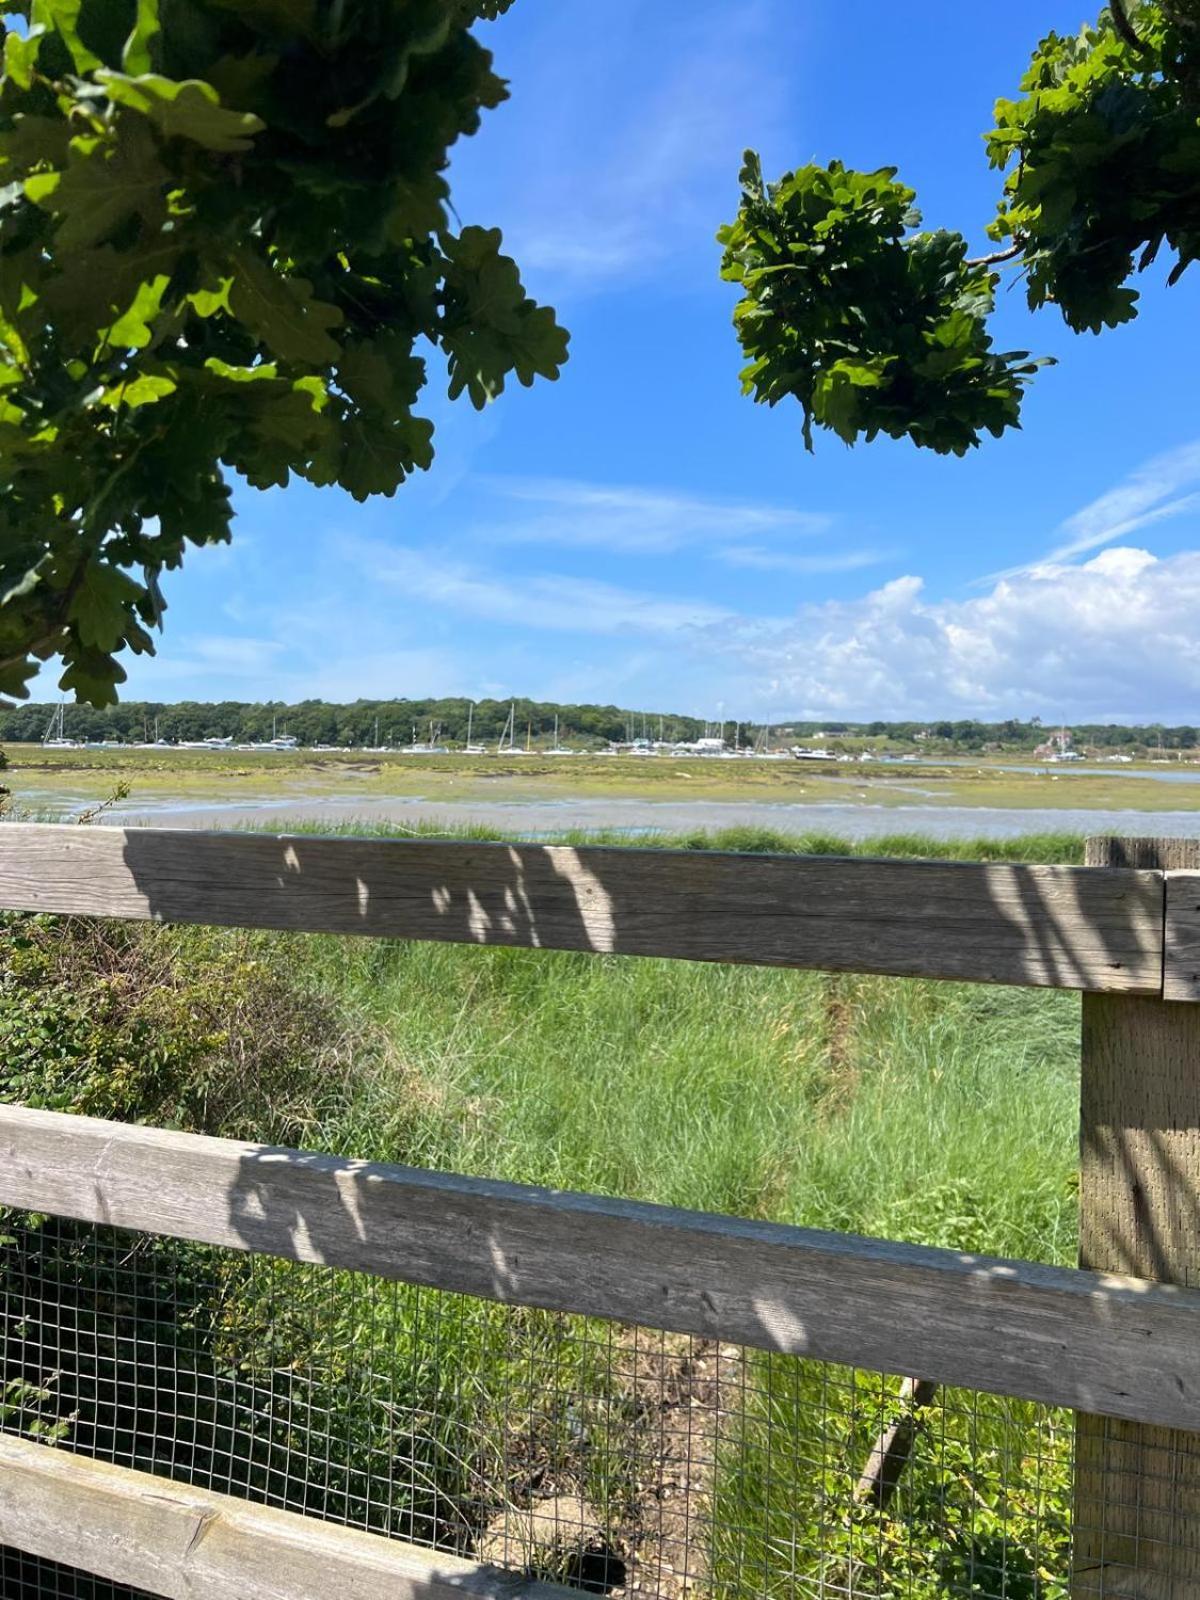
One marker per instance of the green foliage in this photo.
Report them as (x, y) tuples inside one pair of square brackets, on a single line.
[(158, 1025), (323, 722), (225, 235), (95, 1046), (875, 328), (1104, 152), (24, 1403), (982, 1506), (872, 328)]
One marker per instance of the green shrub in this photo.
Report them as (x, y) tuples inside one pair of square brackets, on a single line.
[(980, 1508), (182, 1027)]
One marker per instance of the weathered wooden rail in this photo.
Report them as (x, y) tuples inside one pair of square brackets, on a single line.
[(1090, 1340), (1061, 927), (179, 1542), (1120, 1347)]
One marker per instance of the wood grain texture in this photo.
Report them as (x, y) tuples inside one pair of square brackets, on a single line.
[(1181, 926), (1002, 923), (1137, 1490), (191, 1544), (1112, 1345)]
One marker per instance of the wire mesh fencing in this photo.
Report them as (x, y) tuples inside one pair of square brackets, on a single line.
[(613, 1459), (24, 1577)]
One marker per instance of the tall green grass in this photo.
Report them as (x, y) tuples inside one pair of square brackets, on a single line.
[(940, 1113), (1063, 848), (943, 1114)]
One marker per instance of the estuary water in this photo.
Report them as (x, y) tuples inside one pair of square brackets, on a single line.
[(537, 818)]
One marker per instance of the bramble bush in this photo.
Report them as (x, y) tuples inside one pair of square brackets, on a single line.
[(191, 1028)]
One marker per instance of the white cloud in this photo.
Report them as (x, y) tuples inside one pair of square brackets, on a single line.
[(627, 519), (1115, 637), (1148, 495), (545, 601), (192, 668), (1144, 497), (219, 656), (759, 560)]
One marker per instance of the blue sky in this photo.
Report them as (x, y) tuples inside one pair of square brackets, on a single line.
[(639, 532)]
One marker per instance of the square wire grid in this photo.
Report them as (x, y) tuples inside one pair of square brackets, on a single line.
[(614, 1459)]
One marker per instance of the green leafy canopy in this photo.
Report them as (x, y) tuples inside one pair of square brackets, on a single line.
[(877, 328), (873, 328), (225, 246)]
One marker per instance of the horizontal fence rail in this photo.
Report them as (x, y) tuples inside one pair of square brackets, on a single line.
[(1063, 927), (189, 1544), (1119, 1347)]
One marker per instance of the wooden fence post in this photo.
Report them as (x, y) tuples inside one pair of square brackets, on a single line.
[(1137, 1488)]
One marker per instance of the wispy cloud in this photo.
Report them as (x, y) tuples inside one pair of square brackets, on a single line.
[(224, 655), (1150, 494), (1113, 636), (603, 198), (1147, 495), (339, 658), (635, 520), (546, 601), (758, 559)]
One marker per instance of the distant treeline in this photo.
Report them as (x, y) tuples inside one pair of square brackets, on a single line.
[(1013, 734), (365, 722), (398, 722)]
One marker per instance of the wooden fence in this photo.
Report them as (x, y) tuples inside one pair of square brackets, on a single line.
[(1117, 1340)]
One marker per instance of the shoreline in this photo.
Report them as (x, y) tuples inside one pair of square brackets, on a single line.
[(540, 817)]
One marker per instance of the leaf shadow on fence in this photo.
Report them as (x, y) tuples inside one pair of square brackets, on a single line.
[(1065, 928), (1004, 923)]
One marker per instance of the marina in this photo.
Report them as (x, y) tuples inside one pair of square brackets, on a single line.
[(521, 785)]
